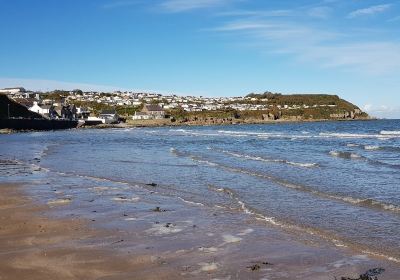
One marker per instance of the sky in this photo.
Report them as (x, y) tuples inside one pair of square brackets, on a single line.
[(207, 47)]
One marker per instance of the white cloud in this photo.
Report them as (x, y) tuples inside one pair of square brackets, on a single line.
[(324, 48), (370, 10), (176, 6), (259, 13), (382, 111)]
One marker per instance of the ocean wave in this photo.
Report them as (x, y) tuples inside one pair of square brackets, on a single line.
[(372, 148), (263, 159), (355, 135), (390, 132), (361, 202), (345, 155), (292, 226), (190, 202), (264, 135), (347, 135), (352, 145)]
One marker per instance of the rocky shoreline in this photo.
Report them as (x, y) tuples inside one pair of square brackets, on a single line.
[(212, 122)]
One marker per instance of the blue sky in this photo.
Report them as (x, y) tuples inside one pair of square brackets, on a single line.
[(207, 47)]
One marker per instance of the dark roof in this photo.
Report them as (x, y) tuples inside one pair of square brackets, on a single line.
[(27, 102), (153, 107)]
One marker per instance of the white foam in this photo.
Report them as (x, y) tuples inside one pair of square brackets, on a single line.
[(345, 155), (208, 267), (130, 219), (126, 199), (191, 202), (228, 238), (205, 162), (302, 164), (246, 232), (258, 158), (371, 148), (352, 135), (62, 201), (208, 250), (353, 145), (390, 132), (244, 208), (353, 155), (390, 258), (162, 229)]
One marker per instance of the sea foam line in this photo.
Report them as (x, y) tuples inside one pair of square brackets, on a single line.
[(361, 202), (263, 159), (331, 237)]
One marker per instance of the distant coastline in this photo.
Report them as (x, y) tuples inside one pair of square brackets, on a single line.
[(23, 110)]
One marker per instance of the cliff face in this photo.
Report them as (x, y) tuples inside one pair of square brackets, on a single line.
[(16, 110)]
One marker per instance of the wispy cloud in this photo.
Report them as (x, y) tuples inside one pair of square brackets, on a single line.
[(382, 111), (369, 10), (177, 6), (309, 44), (258, 13)]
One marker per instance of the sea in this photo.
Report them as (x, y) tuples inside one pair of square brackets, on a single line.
[(339, 181)]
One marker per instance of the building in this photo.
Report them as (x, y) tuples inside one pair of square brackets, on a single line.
[(40, 109), (82, 113), (109, 116), (27, 102), (12, 90), (154, 111), (141, 116)]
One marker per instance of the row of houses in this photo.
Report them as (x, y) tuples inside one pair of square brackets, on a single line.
[(164, 102)]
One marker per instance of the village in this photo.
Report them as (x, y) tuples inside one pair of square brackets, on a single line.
[(147, 106)]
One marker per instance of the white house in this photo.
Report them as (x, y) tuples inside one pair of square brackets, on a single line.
[(141, 116), (154, 111), (12, 90), (40, 109), (109, 116)]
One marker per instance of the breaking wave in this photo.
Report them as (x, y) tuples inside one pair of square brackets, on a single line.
[(390, 132), (263, 159), (356, 135), (372, 148), (361, 202), (345, 155), (287, 225)]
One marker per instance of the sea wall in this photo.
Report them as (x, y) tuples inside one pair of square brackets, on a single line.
[(36, 124)]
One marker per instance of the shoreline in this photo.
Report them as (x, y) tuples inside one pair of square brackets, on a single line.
[(150, 236), (168, 123)]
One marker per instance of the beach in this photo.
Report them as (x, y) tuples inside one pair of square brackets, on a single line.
[(182, 242), (143, 213)]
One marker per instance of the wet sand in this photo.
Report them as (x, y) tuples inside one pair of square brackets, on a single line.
[(152, 237)]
